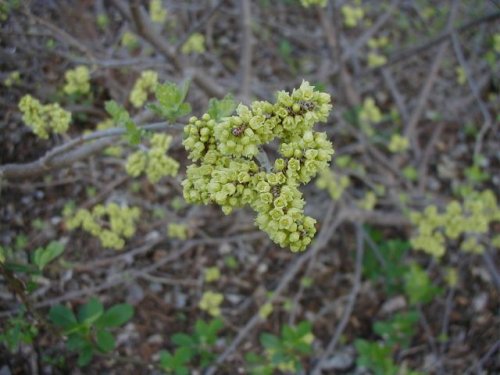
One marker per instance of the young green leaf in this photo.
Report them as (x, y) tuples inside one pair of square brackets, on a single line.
[(117, 112), (134, 133), (399, 330), (76, 342), (171, 101), (85, 355), (182, 339), (269, 341), (62, 317), (115, 316), (177, 362), (218, 109), (418, 286), (105, 341), (43, 256), (376, 357), (90, 312)]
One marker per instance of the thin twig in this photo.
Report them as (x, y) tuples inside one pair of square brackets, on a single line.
[(398, 57), (246, 50), (62, 156), (398, 97), (145, 28), (489, 262), (195, 27), (326, 232), (475, 92), (350, 303), (331, 35), (410, 128)]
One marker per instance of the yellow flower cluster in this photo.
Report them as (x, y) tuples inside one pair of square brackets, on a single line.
[(368, 202), (461, 76), (212, 274), (370, 112), (144, 85), (265, 310), (379, 42), (12, 79), (179, 231), (308, 3), (451, 277), (157, 13), (230, 170), (332, 182), (77, 81), (468, 220), (129, 40), (374, 57), (153, 161), (43, 119), (210, 302), (352, 15), (398, 143), (195, 44), (112, 223)]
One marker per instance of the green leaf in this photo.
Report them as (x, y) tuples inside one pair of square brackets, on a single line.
[(91, 311), (386, 261), (183, 110), (399, 330), (218, 109), (183, 355), (62, 317), (117, 112), (269, 341), (115, 316), (166, 360), (169, 95), (105, 341), (86, 354), (21, 268), (134, 134), (182, 339), (76, 342), (303, 328), (177, 361), (376, 357), (43, 256), (418, 285), (171, 100)]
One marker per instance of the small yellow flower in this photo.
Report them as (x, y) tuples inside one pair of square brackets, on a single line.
[(368, 202), (265, 310), (451, 277), (352, 15), (398, 143), (144, 85), (129, 40), (461, 76), (157, 13), (210, 302), (195, 44), (77, 80), (212, 274), (178, 231), (308, 3), (370, 113), (375, 59)]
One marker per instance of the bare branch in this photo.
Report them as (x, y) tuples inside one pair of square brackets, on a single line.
[(62, 156)]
